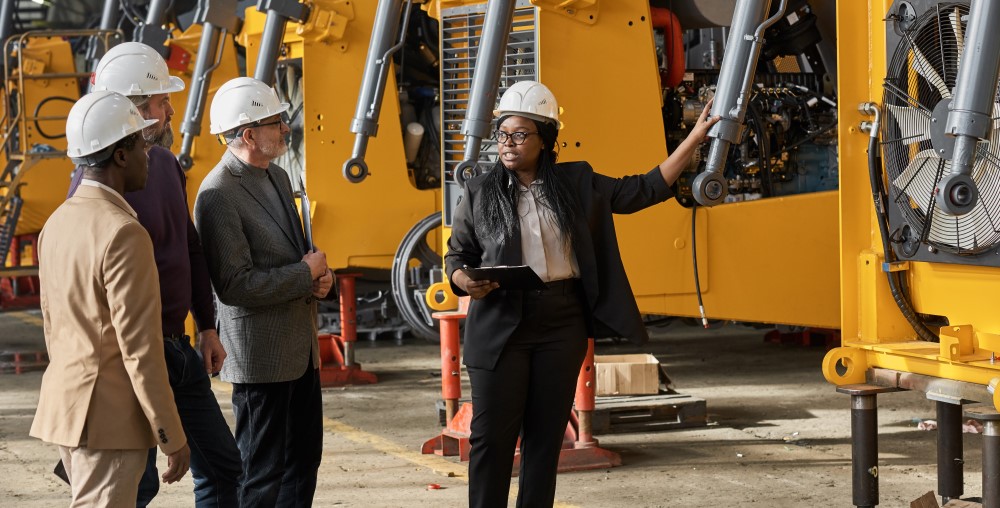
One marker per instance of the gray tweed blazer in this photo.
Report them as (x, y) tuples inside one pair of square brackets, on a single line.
[(266, 312)]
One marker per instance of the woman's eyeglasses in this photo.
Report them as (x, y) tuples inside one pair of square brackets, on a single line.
[(516, 137)]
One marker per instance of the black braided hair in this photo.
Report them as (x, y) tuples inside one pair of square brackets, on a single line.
[(497, 205)]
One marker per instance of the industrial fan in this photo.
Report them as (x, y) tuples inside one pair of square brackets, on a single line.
[(928, 40)]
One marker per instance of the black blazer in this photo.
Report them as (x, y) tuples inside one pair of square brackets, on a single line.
[(613, 311)]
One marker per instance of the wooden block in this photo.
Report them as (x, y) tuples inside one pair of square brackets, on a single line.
[(928, 500)]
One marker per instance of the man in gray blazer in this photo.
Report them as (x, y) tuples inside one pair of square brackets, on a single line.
[(266, 281)]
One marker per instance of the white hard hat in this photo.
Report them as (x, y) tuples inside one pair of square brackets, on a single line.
[(133, 68), (96, 122), (241, 101), (529, 99)]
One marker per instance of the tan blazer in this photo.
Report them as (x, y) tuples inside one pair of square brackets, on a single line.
[(106, 385)]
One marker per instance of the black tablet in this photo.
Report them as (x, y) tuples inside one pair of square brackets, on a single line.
[(509, 277)]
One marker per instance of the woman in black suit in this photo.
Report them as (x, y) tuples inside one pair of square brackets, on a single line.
[(523, 349)]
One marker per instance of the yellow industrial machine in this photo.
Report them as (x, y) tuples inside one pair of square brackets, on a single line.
[(41, 81), (366, 228), (613, 102), (320, 48), (919, 251)]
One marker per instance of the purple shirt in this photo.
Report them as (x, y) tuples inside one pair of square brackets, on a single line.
[(163, 210)]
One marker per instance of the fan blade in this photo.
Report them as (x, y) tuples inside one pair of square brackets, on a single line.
[(914, 123), (917, 181), (980, 226), (925, 69), (956, 26), (968, 232), (995, 132)]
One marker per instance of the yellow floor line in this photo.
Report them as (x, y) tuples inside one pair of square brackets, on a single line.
[(435, 463), (27, 318)]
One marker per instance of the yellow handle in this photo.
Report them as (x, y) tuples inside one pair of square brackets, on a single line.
[(439, 297)]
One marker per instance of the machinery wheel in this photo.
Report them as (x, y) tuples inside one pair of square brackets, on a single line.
[(411, 276)]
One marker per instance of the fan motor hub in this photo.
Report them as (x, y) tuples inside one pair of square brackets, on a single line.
[(956, 194), (943, 144)]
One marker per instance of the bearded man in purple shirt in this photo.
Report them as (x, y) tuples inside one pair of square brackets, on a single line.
[(140, 73)]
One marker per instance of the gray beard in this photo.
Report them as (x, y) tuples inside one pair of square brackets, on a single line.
[(164, 138), (274, 150)]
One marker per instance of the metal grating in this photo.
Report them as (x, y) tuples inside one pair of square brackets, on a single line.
[(460, 32), (9, 216)]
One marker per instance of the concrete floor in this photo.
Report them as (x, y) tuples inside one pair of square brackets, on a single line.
[(779, 434)]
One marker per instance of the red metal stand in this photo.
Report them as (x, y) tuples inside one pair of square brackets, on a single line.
[(808, 337), (23, 361), (580, 450), (20, 287), (454, 439), (336, 352)]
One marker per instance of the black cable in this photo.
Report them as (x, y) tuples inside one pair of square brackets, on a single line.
[(694, 261), (880, 199), (763, 146), (39, 108)]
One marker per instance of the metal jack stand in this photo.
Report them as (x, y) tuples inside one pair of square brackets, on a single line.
[(336, 352), (864, 442), (990, 419), (949, 451), (580, 450), (454, 439)]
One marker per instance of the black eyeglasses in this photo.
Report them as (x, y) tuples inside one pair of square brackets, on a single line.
[(282, 118), (517, 138)]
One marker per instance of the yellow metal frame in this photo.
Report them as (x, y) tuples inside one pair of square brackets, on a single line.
[(771, 260), (43, 179), (875, 334), (358, 225)]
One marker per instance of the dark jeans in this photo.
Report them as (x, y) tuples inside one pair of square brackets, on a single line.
[(529, 392), (279, 430), (215, 460)]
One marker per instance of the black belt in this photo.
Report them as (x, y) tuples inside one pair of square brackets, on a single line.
[(559, 287)]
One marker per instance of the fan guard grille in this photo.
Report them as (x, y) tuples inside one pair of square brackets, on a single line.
[(921, 73)]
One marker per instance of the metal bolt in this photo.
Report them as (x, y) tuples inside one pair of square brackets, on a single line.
[(873, 471), (932, 249), (713, 190)]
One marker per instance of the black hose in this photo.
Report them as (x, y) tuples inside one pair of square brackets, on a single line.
[(694, 261), (880, 199), (763, 148), (39, 108)]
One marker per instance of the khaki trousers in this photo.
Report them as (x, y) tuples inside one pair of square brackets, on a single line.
[(104, 478)]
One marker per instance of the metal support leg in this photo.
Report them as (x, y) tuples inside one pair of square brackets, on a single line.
[(990, 419), (864, 442), (864, 450), (991, 464), (949, 449)]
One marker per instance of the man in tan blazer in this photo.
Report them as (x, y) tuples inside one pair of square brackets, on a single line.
[(105, 398)]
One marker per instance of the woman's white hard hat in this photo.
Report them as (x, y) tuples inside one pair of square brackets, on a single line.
[(529, 99)]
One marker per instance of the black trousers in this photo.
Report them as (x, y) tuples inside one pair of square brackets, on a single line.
[(279, 431), (215, 459), (529, 393)]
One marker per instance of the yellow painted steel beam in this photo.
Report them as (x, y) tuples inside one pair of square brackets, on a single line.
[(875, 334)]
